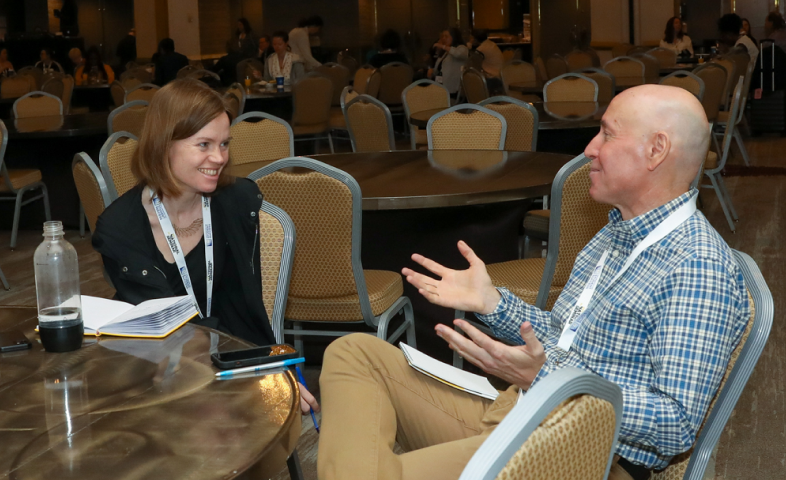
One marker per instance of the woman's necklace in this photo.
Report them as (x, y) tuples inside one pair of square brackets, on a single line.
[(195, 227)]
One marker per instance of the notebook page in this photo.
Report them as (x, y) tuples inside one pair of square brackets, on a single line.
[(97, 312)]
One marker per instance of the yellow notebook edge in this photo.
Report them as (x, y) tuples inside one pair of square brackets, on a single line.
[(99, 334)]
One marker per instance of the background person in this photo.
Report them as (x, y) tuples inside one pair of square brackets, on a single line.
[(729, 27), (300, 43), (746, 30), (453, 55), (492, 55), (94, 67), (283, 62), (243, 41), (47, 63), (674, 39), (169, 62), (775, 28), (6, 68), (126, 49), (77, 60)]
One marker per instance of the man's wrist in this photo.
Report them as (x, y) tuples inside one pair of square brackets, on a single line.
[(491, 298)]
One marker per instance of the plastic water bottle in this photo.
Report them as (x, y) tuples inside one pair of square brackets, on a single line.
[(57, 289)]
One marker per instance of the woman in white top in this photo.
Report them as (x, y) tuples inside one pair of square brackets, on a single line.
[(674, 39), (447, 69), (283, 62)]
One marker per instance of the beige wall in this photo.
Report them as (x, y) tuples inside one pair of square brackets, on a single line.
[(184, 26), (651, 18), (610, 21)]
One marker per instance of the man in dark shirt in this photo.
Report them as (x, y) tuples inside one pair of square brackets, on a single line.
[(126, 49), (169, 62)]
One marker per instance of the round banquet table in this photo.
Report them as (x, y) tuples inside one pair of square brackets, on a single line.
[(134, 408)]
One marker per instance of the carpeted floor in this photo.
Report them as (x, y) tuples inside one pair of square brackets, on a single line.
[(753, 444)]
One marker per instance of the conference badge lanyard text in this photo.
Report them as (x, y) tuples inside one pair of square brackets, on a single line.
[(579, 312), (177, 251)]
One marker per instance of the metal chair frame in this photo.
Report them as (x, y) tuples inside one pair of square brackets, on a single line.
[(477, 73), (139, 87), (691, 75), (201, 73), (624, 59), (467, 106), (391, 66), (606, 74), (33, 94), (185, 71), (569, 75), (377, 103), (508, 437), (285, 268), (663, 50), (408, 113), (736, 119), (104, 161), (522, 104), (110, 119), (267, 116), (316, 137), (99, 177), (237, 87), (379, 323)]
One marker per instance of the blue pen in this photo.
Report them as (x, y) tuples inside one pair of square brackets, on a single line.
[(265, 366), (303, 381)]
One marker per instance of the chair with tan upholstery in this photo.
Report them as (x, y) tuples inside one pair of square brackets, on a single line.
[(685, 80), (54, 86), (143, 91), (37, 104), (556, 66), (367, 81), (185, 71), (692, 464), (311, 98), (731, 79), (68, 93), (328, 283), (666, 57), (93, 193), (725, 116), (15, 87), (419, 96), (519, 72), (651, 67), (620, 49), (115, 161), (740, 58), (118, 92), (578, 59), (475, 60), (337, 120), (14, 184), (396, 76), (370, 125), (508, 55), (32, 72), (244, 69), (140, 74), (522, 120), (339, 75), (130, 83), (201, 74), (129, 117), (258, 139), (714, 77), (348, 61), (466, 127), (571, 87), (627, 71), (237, 90), (473, 83), (571, 417), (276, 255), (606, 83)]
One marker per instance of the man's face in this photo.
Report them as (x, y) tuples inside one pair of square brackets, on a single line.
[(263, 45)]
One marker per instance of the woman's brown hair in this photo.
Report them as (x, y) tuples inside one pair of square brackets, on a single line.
[(177, 111)]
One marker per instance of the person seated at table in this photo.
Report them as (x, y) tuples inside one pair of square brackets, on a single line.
[(729, 27), (283, 62), (775, 28), (6, 68), (453, 55), (75, 55), (675, 39), (746, 30), (94, 70), (265, 49), (47, 63), (187, 214), (169, 62), (663, 331), (389, 44), (492, 55)]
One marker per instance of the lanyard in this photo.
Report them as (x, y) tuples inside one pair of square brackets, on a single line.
[(177, 251), (579, 312)]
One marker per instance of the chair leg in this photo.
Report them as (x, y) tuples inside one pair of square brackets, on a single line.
[(743, 150), (298, 338), (722, 201), (413, 136), (330, 142), (81, 220), (47, 211), (722, 185), (4, 281), (17, 213), (409, 317), (293, 464)]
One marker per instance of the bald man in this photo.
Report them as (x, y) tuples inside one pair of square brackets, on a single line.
[(662, 328)]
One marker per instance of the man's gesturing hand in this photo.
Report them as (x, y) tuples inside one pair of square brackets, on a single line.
[(518, 365), (469, 290)]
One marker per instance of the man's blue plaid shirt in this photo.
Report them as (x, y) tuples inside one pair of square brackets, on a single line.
[(663, 332)]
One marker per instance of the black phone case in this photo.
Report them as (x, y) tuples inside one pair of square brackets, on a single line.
[(255, 360), (13, 341)]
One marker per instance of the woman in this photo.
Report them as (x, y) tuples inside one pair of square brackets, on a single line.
[(156, 230), (674, 39), (46, 63), (283, 62), (243, 42), (75, 55), (6, 69), (746, 30), (453, 55), (94, 67)]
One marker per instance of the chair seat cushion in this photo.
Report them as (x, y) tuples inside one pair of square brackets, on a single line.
[(315, 129), (723, 118), (522, 278), (536, 224), (383, 287), (20, 178), (337, 121), (711, 162)]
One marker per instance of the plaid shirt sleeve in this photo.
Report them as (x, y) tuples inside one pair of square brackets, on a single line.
[(505, 321)]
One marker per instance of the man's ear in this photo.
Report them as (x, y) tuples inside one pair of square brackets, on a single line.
[(658, 150)]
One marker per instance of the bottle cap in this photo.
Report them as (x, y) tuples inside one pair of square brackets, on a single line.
[(53, 228)]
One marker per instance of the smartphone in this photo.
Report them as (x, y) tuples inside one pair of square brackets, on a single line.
[(13, 340), (252, 356)]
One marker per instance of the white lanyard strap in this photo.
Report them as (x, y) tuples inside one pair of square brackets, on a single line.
[(578, 313), (177, 251)]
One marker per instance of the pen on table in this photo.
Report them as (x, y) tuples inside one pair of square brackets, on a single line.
[(265, 366), (303, 381)]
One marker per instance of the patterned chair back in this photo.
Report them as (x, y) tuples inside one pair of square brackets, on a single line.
[(258, 139), (605, 81), (37, 104), (115, 159), (395, 78), (466, 127), (578, 59), (556, 66), (714, 77), (522, 120), (627, 71), (339, 75), (144, 91), (15, 87), (518, 71), (370, 125), (474, 83), (90, 185), (311, 99), (687, 81), (666, 57), (571, 87), (129, 117)]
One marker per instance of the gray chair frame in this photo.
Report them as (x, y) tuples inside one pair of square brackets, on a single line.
[(105, 197), (104, 162), (36, 93), (21, 192), (479, 74), (416, 83), (239, 87), (685, 73), (661, 49), (467, 106), (523, 104), (377, 103), (570, 75), (391, 66), (600, 71), (241, 67), (508, 437), (4, 281), (138, 87), (285, 268), (740, 115), (317, 137), (626, 58), (110, 119), (185, 71), (267, 116), (379, 323)]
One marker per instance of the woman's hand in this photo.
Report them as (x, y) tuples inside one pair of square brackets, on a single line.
[(307, 401)]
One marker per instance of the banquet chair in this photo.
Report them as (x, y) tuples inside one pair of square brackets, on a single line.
[(714, 77), (348, 61), (37, 104), (140, 74), (518, 71), (692, 464), (556, 66), (620, 49), (574, 219), (15, 87), (115, 160), (54, 86), (130, 117), (540, 69), (311, 97), (605, 81), (637, 50), (257, 139), (473, 83), (685, 80), (32, 73), (245, 69), (15, 183), (337, 120), (130, 83), (204, 75), (370, 125), (570, 87), (118, 93), (232, 104), (567, 428), (627, 71), (475, 60), (92, 190), (522, 120), (666, 57), (422, 95), (741, 59), (578, 59), (185, 71), (367, 81), (329, 284), (651, 67), (339, 75), (508, 55), (4, 280), (143, 91), (239, 93), (731, 79), (726, 117), (466, 126), (68, 92), (396, 76)]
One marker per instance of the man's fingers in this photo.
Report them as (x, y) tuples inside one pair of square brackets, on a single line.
[(418, 280), (429, 264), (469, 254), (309, 400), (465, 346), (530, 339), (481, 339)]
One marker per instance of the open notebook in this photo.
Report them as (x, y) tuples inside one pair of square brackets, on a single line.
[(448, 374)]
